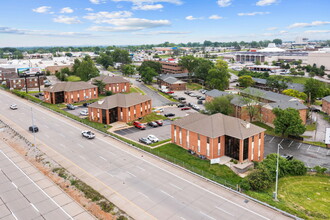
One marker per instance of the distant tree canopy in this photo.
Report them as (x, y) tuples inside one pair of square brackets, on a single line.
[(295, 93), (152, 64), (85, 69), (147, 74), (245, 81), (220, 105), (110, 57)]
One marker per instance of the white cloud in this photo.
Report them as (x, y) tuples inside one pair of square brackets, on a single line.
[(265, 2), (215, 17), (89, 9), (96, 2), (8, 30), (252, 13), (103, 16), (148, 7), (66, 20), (312, 24), (129, 24), (42, 10), (137, 2), (66, 10), (272, 28), (190, 17), (317, 31), (224, 3)]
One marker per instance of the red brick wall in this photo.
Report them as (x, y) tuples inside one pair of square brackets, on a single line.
[(268, 116), (80, 95), (174, 87), (19, 83), (326, 106), (118, 87)]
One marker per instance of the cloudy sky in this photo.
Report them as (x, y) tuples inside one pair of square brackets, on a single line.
[(123, 22)]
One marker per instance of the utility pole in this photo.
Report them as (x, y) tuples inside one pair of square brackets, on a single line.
[(277, 165), (33, 131)]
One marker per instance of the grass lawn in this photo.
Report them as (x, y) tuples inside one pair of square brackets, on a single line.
[(194, 86), (160, 142), (311, 127), (216, 172), (152, 117), (235, 72), (136, 90), (305, 196), (269, 130), (73, 78)]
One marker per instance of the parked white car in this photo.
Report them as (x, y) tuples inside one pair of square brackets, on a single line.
[(153, 138), (84, 112), (192, 94), (158, 110), (13, 107)]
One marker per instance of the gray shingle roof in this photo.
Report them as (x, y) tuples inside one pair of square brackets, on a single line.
[(172, 80), (327, 98), (295, 86), (111, 79), (120, 100), (69, 86), (284, 105), (216, 93), (218, 125), (271, 96)]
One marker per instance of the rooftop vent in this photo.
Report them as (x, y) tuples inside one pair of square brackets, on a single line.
[(100, 102), (246, 124)]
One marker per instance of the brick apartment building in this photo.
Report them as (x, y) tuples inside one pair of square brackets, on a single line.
[(115, 84), (7, 73), (326, 104), (19, 83), (219, 135), (171, 68), (57, 68), (120, 107), (70, 92), (172, 83)]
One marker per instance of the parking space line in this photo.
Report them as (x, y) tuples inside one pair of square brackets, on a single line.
[(308, 147), (167, 194), (299, 145), (175, 186), (318, 149), (103, 158), (131, 174), (62, 145), (34, 207), (140, 168), (290, 143), (109, 174), (81, 146), (271, 140), (206, 215), (281, 141), (328, 152)]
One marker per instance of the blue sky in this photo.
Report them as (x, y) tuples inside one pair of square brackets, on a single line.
[(122, 22)]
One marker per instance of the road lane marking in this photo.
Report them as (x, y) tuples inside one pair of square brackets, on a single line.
[(46, 126), (34, 207), (167, 194), (182, 218), (224, 211), (46, 135), (281, 141), (271, 140), (62, 145), (290, 143), (62, 135), (140, 168), (318, 149), (109, 174), (103, 158), (14, 184), (299, 145), (130, 174), (81, 146), (14, 215), (175, 186), (328, 152), (142, 194), (82, 157), (206, 215), (308, 147)]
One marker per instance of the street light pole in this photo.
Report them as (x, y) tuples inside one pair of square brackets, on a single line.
[(33, 131), (276, 184)]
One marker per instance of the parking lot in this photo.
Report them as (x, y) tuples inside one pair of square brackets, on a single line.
[(311, 155), (177, 111), (190, 99), (76, 111), (161, 132)]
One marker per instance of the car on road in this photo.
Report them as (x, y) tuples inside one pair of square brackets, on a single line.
[(88, 134), (185, 108), (13, 107), (84, 112), (199, 96), (153, 138), (159, 122), (169, 115), (33, 129), (153, 124), (181, 105), (70, 107), (203, 91), (145, 141), (139, 125), (195, 107)]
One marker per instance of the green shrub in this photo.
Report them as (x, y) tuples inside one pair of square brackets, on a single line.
[(108, 93), (259, 179), (320, 170)]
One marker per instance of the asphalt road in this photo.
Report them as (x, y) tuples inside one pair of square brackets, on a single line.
[(311, 155), (160, 190)]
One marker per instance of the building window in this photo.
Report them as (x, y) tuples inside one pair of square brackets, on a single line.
[(174, 133), (180, 136), (199, 143), (219, 146), (188, 139)]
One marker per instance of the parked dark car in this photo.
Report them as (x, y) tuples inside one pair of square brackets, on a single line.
[(288, 157), (199, 96), (169, 115), (181, 105), (33, 129), (191, 152), (313, 109), (145, 141), (202, 157), (200, 102), (181, 98), (202, 98), (159, 122), (153, 124), (71, 107), (86, 104), (187, 92)]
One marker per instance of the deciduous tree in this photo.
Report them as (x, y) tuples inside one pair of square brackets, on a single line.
[(288, 122)]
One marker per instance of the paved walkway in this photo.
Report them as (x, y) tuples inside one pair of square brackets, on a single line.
[(319, 133)]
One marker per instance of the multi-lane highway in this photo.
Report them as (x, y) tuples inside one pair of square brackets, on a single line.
[(142, 186)]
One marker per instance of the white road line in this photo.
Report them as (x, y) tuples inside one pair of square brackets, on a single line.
[(46, 135), (142, 194), (34, 207), (36, 186), (82, 157), (80, 145), (130, 174), (222, 210), (281, 141), (167, 194), (182, 218), (62, 145), (328, 152), (102, 158), (271, 140), (109, 174), (318, 149), (140, 168), (299, 145), (46, 126), (308, 147), (14, 185), (152, 164), (14, 215), (175, 186), (290, 143), (62, 135), (206, 215)]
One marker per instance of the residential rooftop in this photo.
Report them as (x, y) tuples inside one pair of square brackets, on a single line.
[(69, 86), (111, 79)]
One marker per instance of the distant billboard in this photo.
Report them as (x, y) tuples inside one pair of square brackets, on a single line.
[(30, 71), (327, 136)]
